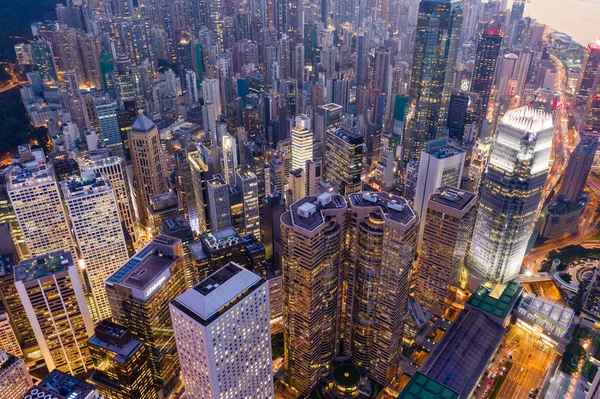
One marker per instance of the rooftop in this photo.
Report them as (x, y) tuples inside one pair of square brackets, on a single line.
[(528, 119), (60, 385), (495, 299), (452, 197), (348, 134), (44, 265), (464, 351), (117, 339), (87, 183), (393, 207), (252, 243), (423, 387), (561, 206), (550, 310), (221, 239), (307, 212), (142, 124), (218, 292), (441, 148), (148, 269)]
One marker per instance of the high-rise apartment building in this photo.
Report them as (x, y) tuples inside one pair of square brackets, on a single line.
[(510, 194), (344, 159), (94, 216), (35, 197), (302, 142), (139, 295), (223, 335), (449, 221), (148, 165), (114, 169), (313, 234), (381, 248), (441, 165), (121, 364), (55, 304), (434, 63), (14, 376)]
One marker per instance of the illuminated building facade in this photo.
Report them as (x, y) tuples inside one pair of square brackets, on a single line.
[(223, 334), (343, 159), (121, 364), (247, 184), (436, 46), (302, 143), (55, 304), (486, 58), (381, 248), (139, 295), (510, 194), (313, 234), (148, 167), (35, 197), (449, 222), (230, 160), (14, 376), (101, 243), (589, 70)]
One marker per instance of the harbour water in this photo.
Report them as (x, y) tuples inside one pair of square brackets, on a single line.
[(579, 19)]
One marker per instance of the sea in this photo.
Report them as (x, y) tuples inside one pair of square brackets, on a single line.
[(579, 19)]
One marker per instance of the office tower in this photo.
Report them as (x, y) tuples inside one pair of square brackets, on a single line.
[(343, 159), (139, 295), (223, 334), (192, 87), (44, 59), (63, 165), (589, 70), (201, 170), (327, 117), (516, 11), (578, 168), (109, 127), (214, 250), (148, 166), (211, 93), (60, 385), (94, 215), (510, 194), (302, 142), (591, 116), (449, 222), (467, 347), (121, 364), (271, 225), (362, 66), (313, 235), (230, 158), (441, 165), (55, 304), (15, 322), (35, 197), (382, 237), (14, 376), (219, 209), (436, 46), (114, 169), (457, 115), (384, 171), (486, 58), (247, 184)]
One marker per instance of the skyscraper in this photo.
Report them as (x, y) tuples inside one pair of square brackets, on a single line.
[(510, 194), (14, 376), (436, 45), (589, 70), (441, 165), (109, 126), (114, 169), (343, 159), (121, 364), (139, 295), (223, 335), (381, 248), (230, 158), (302, 142), (486, 58), (578, 168), (313, 235), (35, 197), (148, 166), (449, 222), (247, 184), (219, 209), (94, 215), (55, 304)]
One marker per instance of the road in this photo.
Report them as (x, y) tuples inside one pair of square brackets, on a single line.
[(14, 79)]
